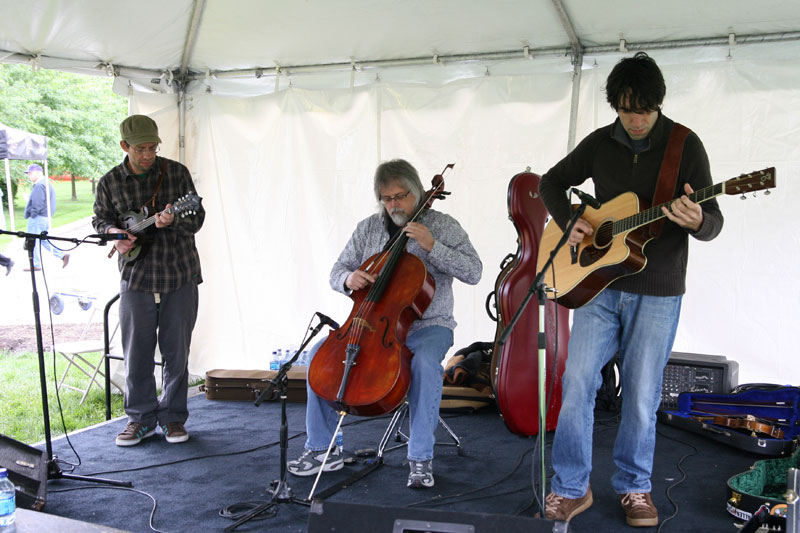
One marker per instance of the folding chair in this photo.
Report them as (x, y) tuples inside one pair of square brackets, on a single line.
[(74, 352)]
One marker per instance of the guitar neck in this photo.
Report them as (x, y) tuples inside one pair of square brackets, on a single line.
[(654, 213), (146, 223)]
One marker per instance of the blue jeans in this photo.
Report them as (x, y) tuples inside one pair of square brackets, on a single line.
[(429, 346), (37, 225), (642, 329)]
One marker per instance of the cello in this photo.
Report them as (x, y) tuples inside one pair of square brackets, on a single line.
[(515, 365), (364, 367)]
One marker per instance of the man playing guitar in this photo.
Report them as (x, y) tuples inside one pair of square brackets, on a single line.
[(636, 315)]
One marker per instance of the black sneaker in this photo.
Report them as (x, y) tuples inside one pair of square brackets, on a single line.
[(310, 462), (174, 432), (9, 266), (134, 433), (421, 475)]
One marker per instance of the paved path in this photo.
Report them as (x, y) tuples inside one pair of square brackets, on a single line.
[(89, 273)]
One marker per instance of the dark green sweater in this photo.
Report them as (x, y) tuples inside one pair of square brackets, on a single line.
[(607, 158)]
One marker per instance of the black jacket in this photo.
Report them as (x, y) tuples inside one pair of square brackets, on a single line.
[(607, 157)]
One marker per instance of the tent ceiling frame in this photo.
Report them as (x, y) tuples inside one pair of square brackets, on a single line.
[(526, 53), (100, 68), (191, 37)]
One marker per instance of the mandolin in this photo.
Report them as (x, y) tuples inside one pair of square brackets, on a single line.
[(136, 222)]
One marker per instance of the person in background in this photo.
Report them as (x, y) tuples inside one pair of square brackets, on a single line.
[(636, 315), (38, 216), (158, 290), (8, 263)]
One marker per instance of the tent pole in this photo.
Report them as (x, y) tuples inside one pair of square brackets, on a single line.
[(10, 197), (182, 124), (577, 64)]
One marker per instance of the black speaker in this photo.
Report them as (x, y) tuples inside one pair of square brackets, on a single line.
[(27, 470), (337, 516)]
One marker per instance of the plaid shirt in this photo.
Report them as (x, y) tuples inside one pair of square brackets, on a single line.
[(171, 259)]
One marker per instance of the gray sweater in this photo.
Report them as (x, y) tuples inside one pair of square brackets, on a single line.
[(452, 256)]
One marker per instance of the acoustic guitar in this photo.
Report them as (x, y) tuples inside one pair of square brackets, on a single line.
[(136, 222), (615, 248)]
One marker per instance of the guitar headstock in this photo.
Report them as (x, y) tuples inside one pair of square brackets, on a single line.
[(187, 205), (752, 182)]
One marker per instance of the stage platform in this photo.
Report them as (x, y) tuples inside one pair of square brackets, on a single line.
[(233, 456)]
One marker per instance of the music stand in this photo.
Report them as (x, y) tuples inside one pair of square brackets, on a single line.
[(53, 470), (538, 288), (281, 491)]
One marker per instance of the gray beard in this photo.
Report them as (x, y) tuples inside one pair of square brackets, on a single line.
[(399, 218)]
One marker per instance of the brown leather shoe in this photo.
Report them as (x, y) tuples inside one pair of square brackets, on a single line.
[(639, 509), (65, 260), (560, 508)]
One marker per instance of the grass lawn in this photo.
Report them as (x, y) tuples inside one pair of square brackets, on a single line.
[(21, 398), (67, 209)]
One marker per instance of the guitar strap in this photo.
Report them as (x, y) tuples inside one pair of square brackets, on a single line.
[(668, 175), (161, 172)]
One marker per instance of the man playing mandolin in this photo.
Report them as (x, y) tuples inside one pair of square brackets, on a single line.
[(447, 253), (158, 289), (636, 315)]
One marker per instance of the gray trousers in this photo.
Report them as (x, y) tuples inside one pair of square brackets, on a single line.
[(167, 319)]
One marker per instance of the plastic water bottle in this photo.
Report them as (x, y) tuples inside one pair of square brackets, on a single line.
[(7, 502), (277, 360), (339, 440)]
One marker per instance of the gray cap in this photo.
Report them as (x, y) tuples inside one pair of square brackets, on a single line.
[(139, 129)]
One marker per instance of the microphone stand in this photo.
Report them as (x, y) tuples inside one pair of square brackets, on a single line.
[(539, 289), (53, 470), (281, 491)]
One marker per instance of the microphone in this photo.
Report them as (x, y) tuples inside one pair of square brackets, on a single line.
[(586, 198), (109, 236), (327, 320)]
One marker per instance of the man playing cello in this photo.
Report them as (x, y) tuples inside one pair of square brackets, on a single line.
[(444, 247)]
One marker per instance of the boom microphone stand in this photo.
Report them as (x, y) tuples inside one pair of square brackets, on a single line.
[(538, 287), (53, 470), (281, 491)]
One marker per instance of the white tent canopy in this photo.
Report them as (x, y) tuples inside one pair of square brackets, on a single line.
[(284, 109)]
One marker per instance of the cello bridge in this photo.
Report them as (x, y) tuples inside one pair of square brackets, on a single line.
[(364, 324)]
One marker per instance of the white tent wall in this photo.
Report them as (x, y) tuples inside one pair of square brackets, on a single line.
[(285, 177)]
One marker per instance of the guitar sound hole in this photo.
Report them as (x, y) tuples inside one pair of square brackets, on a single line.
[(603, 235)]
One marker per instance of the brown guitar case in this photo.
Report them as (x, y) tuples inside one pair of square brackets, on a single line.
[(246, 385)]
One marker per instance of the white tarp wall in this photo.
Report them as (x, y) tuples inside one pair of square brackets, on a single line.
[(285, 177)]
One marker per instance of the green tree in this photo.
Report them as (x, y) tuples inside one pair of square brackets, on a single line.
[(79, 115)]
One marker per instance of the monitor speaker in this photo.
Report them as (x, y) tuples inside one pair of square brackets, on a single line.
[(337, 516), (27, 470)]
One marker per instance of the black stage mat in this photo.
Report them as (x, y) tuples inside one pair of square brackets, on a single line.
[(233, 456)]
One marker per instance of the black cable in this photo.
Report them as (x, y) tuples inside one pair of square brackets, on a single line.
[(681, 480), (152, 513), (72, 466), (439, 498), (238, 510), (225, 454)]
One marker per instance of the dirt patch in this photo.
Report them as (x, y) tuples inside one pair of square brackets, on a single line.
[(17, 339)]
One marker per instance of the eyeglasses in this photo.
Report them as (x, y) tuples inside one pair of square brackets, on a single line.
[(141, 151), (396, 198)]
